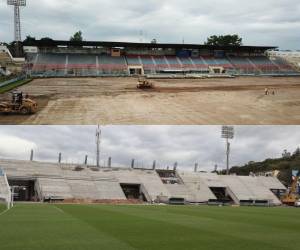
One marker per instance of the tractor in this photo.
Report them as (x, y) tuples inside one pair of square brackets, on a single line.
[(144, 84), (19, 104)]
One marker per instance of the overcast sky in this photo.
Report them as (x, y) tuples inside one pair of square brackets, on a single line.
[(267, 22), (165, 144)]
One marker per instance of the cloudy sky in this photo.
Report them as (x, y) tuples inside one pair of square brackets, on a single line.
[(268, 22), (165, 144)]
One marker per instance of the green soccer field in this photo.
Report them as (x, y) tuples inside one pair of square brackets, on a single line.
[(30, 227)]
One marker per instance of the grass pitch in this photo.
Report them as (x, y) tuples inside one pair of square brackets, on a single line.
[(30, 227), (2, 208)]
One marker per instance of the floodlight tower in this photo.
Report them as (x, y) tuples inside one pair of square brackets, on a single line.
[(227, 133), (17, 19), (98, 138)]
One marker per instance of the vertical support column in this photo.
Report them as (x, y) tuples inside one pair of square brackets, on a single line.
[(175, 166), (31, 155), (109, 162), (154, 165), (97, 65), (66, 65), (196, 168), (85, 160), (59, 158), (132, 163)]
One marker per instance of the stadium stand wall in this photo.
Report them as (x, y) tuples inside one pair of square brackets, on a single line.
[(66, 182)]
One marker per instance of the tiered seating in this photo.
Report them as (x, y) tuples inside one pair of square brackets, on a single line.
[(160, 62), (264, 64), (243, 65), (283, 65), (81, 61), (174, 62), (81, 64), (112, 65), (198, 188), (199, 63), (180, 191), (223, 62), (133, 60), (71, 64), (186, 63), (148, 63), (149, 180)]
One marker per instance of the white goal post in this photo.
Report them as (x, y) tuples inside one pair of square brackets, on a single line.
[(5, 191)]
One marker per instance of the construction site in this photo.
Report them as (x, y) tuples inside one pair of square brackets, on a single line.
[(116, 100), (37, 181)]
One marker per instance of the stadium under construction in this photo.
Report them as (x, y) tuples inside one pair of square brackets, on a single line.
[(49, 182)]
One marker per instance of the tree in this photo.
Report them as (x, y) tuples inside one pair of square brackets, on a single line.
[(77, 37), (227, 40), (46, 39), (286, 154), (154, 41), (29, 39), (297, 152)]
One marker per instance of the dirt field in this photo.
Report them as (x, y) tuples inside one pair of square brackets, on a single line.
[(174, 102)]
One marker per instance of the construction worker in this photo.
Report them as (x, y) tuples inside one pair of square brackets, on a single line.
[(266, 91), (20, 98)]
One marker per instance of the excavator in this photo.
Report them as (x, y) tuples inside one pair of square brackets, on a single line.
[(19, 104), (291, 198)]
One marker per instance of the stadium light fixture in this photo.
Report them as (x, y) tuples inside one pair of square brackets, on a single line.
[(227, 133), (17, 19)]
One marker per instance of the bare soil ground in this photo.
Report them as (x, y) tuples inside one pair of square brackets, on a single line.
[(171, 102)]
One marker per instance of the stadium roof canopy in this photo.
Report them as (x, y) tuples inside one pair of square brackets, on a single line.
[(55, 43)]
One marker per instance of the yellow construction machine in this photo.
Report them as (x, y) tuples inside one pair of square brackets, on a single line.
[(144, 84), (19, 104), (291, 198)]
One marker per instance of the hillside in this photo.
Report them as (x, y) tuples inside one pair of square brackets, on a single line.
[(285, 165)]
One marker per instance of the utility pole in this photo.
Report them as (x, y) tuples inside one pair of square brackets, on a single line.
[(98, 138)]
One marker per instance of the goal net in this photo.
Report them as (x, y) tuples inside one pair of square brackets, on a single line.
[(5, 192)]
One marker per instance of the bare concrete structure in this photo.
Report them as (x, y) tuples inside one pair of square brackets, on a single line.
[(49, 181)]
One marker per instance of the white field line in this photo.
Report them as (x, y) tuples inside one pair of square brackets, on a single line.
[(59, 209), (4, 212)]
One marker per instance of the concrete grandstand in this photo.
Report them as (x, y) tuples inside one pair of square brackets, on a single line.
[(50, 58), (37, 181)]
